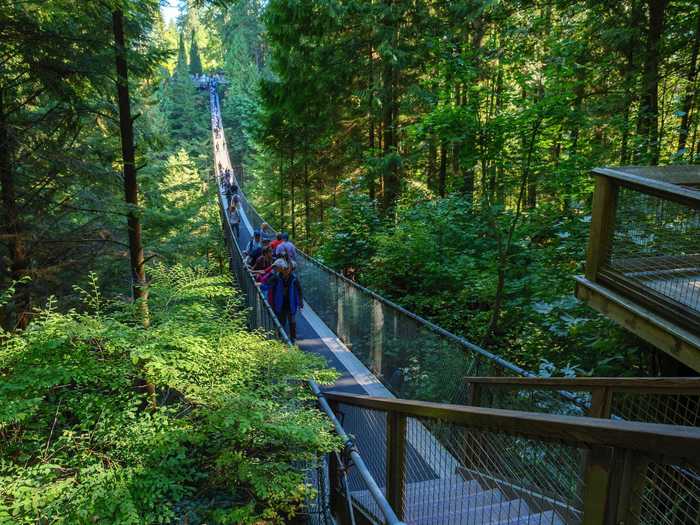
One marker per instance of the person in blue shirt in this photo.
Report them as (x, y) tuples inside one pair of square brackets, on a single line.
[(266, 234), (286, 295), (254, 247)]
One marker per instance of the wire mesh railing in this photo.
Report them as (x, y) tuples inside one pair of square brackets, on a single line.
[(472, 466), (655, 248), (669, 492)]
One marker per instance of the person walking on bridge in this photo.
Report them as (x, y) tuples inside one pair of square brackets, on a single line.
[(286, 294), (286, 249), (234, 215), (266, 234)]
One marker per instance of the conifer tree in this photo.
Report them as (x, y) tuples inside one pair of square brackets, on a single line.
[(181, 57), (195, 60)]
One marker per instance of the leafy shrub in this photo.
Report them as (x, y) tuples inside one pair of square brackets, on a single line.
[(79, 442)]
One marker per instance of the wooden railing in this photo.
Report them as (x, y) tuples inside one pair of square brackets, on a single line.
[(602, 394), (617, 455), (643, 257)]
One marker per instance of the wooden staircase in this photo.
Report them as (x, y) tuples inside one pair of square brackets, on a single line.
[(455, 501)]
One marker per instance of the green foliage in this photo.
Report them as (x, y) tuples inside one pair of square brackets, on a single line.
[(78, 443), (351, 235), (440, 260), (195, 60)]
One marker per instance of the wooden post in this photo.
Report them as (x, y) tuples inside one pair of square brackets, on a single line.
[(473, 393), (396, 461), (633, 480), (601, 402), (597, 478), (602, 225)]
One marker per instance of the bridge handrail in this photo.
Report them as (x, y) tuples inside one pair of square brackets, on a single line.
[(615, 480), (661, 385), (358, 462), (672, 400), (654, 439)]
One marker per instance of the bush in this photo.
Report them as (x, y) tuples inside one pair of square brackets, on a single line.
[(79, 442)]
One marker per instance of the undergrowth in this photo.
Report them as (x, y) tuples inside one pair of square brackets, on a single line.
[(79, 442)]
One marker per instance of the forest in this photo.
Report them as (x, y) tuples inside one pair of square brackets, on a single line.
[(438, 153), (131, 390)]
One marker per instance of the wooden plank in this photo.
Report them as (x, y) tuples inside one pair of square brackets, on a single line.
[(658, 440), (665, 335), (602, 225), (661, 188), (660, 385)]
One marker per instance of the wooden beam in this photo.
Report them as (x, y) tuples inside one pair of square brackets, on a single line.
[(396, 461), (672, 191), (665, 335), (671, 441), (657, 385), (602, 225)]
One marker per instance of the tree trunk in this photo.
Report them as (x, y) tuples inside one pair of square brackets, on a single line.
[(281, 223), (371, 183), (442, 179), (391, 181), (630, 51), (307, 200), (126, 127), (19, 263), (648, 120), (690, 91), (431, 165), (291, 184)]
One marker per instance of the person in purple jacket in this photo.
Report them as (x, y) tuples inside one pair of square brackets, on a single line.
[(286, 249)]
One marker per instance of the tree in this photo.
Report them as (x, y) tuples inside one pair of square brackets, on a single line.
[(181, 64), (195, 60), (126, 128)]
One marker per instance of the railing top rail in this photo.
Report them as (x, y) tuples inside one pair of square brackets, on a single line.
[(669, 441), (660, 385), (670, 187)]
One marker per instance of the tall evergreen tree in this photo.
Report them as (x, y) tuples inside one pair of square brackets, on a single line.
[(181, 56), (195, 60)]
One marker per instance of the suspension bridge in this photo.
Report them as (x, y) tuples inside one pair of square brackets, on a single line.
[(471, 438)]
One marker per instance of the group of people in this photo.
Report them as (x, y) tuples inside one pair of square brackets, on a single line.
[(271, 258)]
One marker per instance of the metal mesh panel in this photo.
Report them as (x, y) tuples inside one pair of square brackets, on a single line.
[(656, 247), (534, 400), (368, 428), (655, 407), (671, 496), (477, 476), (318, 510)]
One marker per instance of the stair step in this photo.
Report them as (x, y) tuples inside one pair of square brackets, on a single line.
[(444, 488), (506, 512), (455, 503), (545, 518)]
